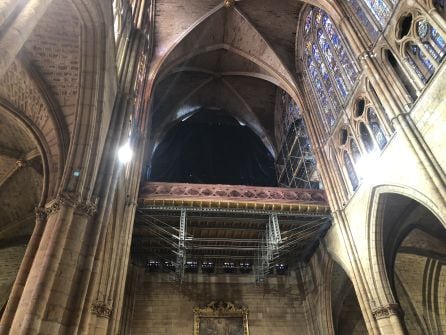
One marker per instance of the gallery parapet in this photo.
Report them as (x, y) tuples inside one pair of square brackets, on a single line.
[(232, 196)]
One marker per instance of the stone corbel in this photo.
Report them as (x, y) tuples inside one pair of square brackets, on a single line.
[(101, 309)]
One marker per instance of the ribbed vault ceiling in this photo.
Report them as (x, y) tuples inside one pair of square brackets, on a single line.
[(229, 59)]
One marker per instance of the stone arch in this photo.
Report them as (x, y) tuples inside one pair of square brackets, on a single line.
[(35, 112), (97, 90), (269, 66), (382, 289), (347, 316), (263, 57)]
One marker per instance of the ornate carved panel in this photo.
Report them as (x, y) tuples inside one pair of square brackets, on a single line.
[(220, 317)]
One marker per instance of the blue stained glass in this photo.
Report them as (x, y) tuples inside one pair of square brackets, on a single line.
[(341, 85), (431, 50), (330, 68), (379, 9), (416, 69), (332, 34), (317, 55), (427, 64), (376, 128), (308, 21), (351, 170), (327, 111), (324, 72), (355, 151), (364, 20), (439, 41)]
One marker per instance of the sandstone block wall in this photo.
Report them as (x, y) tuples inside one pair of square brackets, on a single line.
[(163, 307), (10, 259)]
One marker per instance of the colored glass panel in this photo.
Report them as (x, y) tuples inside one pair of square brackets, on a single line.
[(351, 170), (376, 128), (438, 40), (364, 20), (308, 21), (379, 9), (355, 151)]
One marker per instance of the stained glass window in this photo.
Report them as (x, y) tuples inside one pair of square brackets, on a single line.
[(331, 68), (376, 128), (355, 151), (431, 39), (372, 15), (362, 17), (419, 63), (366, 137), (380, 10), (438, 40), (351, 171)]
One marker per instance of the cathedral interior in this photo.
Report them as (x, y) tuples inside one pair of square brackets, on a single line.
[(227, 167)]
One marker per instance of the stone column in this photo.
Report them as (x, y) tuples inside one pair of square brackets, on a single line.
[(51, 284), (388, 319), (23, 272)]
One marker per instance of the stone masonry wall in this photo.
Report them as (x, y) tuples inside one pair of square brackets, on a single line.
[(10, 259), (163, 307)]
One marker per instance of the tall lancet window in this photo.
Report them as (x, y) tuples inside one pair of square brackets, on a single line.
[(330, 65), (372, 15)]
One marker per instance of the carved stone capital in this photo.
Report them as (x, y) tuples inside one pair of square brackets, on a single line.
[(228, 3), (41, 213), (21, 163), (383, 312), (69, 199), (101, 309), (86, 208), (53, 206)]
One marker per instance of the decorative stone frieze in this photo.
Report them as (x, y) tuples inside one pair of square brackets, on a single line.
[(252, 193), (101, 309)]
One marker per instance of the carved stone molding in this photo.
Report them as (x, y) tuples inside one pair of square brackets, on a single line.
[(101, 309), (87, 208), (68, 199), (228, 3), (21, 163), (41, 213), (231, 192), (221, 309), (383, 312)]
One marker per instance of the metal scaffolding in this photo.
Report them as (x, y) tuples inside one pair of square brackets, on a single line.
[(261, 239), (295, 164), (181, 255)]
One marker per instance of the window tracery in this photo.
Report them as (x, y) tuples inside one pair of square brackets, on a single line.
[(349, 156), (331, 69), (421, 45), (369, 127)]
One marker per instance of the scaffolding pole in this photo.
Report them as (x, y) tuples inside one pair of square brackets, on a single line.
[(181, 255)]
